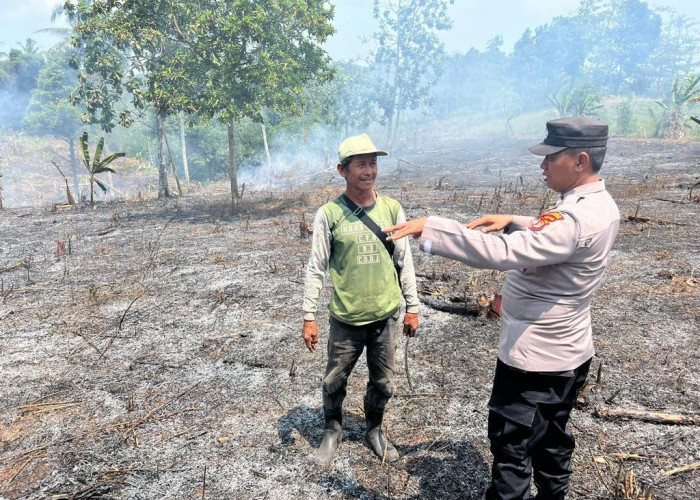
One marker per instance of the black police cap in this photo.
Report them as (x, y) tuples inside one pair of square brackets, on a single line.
[(577, 132)]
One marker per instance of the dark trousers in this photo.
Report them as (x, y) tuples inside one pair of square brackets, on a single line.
[(345, 345), (527, 427)]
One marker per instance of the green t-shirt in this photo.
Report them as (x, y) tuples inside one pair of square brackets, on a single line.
[(365, 284)]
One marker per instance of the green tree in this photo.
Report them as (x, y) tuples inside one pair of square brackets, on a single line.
[(19, 69), (214, 59), (622, 35), (49, 111), (475, 81), (98, 165), (676, 52), (332, 109), (246, 56), (543, 59), (128, 58), (408, 55)]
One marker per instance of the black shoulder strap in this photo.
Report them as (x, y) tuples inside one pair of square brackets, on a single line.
[(367, 221)]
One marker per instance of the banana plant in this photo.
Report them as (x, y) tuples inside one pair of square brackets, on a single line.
[(684, 91), (98, 164)]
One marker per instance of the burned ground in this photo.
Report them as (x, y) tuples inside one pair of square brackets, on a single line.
[(152, 349)]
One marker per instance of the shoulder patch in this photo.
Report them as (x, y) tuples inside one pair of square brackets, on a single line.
[(546, 219)]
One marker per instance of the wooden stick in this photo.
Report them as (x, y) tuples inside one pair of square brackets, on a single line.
[(646, 416), (405, 360), (678, 470), (204, 481)]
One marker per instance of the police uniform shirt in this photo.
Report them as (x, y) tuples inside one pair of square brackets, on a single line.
[(554, 263)]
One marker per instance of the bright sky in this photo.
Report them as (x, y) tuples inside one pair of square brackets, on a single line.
[(475, 22)]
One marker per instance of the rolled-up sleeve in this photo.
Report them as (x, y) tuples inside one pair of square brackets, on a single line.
[(549, 244)]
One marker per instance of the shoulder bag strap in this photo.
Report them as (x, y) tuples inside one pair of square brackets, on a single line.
[(367, 221)]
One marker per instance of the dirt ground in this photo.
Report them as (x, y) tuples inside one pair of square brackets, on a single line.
[(151, 349)]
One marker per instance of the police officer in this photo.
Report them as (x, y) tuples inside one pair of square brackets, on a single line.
[(555, 264)]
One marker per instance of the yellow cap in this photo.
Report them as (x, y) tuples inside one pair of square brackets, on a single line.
[(358, 145)]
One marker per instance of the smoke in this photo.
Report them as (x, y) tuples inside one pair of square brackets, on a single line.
[(12, 108), (294, 161)]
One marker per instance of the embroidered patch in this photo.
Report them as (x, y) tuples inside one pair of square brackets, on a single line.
[(546, 219)]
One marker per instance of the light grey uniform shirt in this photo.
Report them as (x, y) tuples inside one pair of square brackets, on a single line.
[(554, 263), (321, 255)]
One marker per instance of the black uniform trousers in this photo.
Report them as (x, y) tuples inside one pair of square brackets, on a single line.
[(528, 414)]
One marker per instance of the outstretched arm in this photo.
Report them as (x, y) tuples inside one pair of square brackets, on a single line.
[(409, 228)]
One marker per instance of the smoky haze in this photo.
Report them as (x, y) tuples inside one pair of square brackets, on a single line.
[(473, 70)]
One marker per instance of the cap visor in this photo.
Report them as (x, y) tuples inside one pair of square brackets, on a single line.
[(368, 152), (545, 149)]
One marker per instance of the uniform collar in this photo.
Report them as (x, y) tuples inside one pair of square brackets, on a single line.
[(584, 189)]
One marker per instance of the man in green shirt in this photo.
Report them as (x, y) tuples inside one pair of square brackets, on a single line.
[(368, 284)]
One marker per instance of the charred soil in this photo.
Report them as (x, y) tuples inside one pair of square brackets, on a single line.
[(152, 349)]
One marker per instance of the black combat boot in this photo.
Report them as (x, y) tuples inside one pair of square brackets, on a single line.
[(374, 437), (332, 435)]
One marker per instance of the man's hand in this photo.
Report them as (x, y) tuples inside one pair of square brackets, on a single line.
[(310, 335), (409, 228), (410, 324), (490, 222)]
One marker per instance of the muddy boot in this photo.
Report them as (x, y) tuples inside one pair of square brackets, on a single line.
[(332, 435), (374, 437)]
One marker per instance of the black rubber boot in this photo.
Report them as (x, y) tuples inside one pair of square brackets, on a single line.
[(374, 437), (332, 436)]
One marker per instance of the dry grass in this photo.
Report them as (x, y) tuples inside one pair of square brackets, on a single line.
[(163, 359)]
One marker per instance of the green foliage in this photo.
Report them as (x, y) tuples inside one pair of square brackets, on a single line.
[(208, 148), (625, 118), (98, 165), (576, 102), (19, 69), (684, 90), (621, 35), (206, 58), (49, 111), (128, 49), (248, 56), (475, 81)]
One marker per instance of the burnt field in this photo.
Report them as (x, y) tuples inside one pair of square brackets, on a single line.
[(152, 350)]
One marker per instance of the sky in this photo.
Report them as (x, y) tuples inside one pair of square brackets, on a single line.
[(475, 22)]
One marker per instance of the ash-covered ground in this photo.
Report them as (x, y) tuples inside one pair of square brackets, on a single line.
[(152, 350)]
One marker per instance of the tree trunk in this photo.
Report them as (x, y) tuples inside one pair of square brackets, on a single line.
[(183, 143), (163, 191), (267, 148), (233, 167), (172, 163), (74, 169)]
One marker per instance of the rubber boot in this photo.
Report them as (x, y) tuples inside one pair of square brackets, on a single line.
[(332, 436), (374, 437)]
